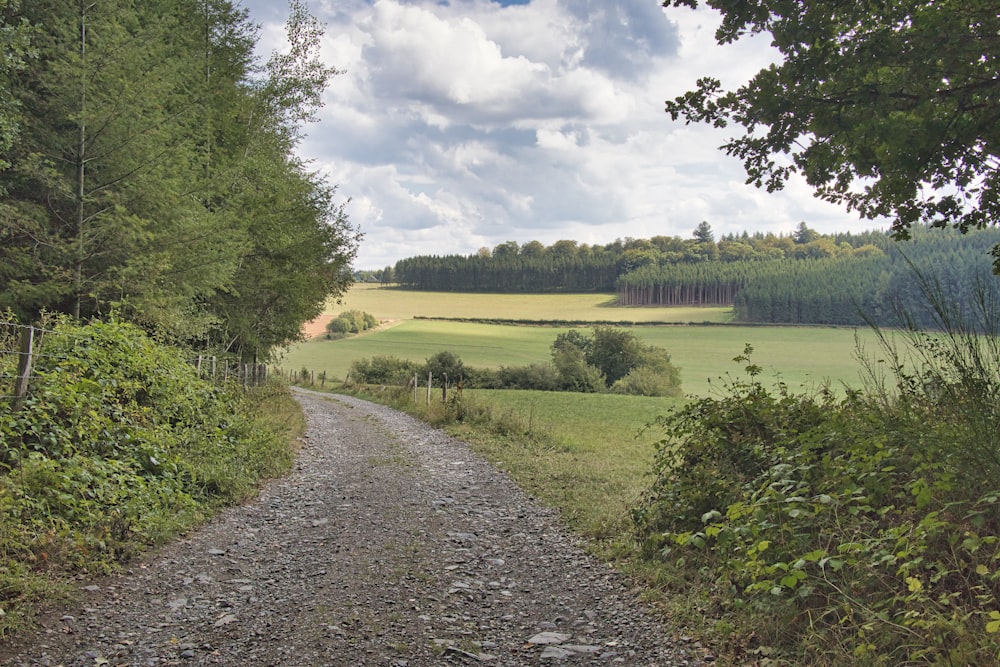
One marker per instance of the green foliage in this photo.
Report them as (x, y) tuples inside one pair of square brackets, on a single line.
[(15, 53), (445, 364), (649, 380), (864, 526), (860, 288), (637, 368), (616, 358), (703, 233), (614, 352), (575, 373), (382, 369), (350, 322), (119, 445), (572, 267), (154, 173), (899, 97), (540, 377)]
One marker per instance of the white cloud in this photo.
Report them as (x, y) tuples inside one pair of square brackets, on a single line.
[(464, 124)]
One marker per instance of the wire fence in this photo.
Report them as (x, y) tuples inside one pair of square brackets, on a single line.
[(22, 347)]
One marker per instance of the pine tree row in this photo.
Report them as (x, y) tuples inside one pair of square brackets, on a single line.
[(148, 167)]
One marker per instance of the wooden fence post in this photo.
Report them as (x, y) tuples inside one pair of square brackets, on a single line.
[(24, 366), (430, 376), (444, 388), (415, 385)]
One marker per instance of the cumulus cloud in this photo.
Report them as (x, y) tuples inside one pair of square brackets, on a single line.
[(466, 123)]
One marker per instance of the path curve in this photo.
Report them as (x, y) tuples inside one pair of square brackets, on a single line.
[(390, 543)]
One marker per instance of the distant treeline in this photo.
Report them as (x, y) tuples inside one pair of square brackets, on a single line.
[(803, 278), (955, 269), (572, 267)]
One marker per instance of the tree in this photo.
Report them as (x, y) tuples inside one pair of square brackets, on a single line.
[(154, 171), (99, 176), (443, 365), (890, 109), (532, 249), (703, 233), (569, 356), (803, 234), (15, 52), (506, 249), (614, 352)]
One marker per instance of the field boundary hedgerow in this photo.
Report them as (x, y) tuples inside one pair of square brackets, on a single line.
[(630, 323)]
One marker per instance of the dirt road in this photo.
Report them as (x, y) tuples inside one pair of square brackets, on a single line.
[(388, 544)]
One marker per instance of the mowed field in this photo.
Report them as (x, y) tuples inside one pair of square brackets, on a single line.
[(802, 357), (396, 304)]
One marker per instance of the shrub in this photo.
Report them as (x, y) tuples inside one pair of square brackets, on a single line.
[(574, 372), (119, 445), (607, 356), (542, 377), (348, 322), (649, 381), (383, 369), (443, 364), (834, 526)]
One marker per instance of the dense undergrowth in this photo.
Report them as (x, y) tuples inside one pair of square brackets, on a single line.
[(119, 446), (855, 530)]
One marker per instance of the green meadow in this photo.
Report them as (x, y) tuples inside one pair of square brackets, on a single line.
[(587, 454), (801, 356)]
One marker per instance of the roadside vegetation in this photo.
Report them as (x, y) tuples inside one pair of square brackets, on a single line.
[(119, 446)]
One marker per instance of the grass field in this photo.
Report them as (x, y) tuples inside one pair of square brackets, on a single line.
[(596, 450), (398, 304), (803, 356)]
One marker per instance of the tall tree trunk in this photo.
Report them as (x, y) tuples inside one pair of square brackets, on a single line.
[(81, 166)]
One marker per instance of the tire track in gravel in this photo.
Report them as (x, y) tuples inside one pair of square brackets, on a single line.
[(390, 543)]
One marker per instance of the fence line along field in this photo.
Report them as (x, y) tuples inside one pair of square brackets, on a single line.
[(803, 356)]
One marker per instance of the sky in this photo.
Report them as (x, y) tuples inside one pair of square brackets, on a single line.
[(463, 124)]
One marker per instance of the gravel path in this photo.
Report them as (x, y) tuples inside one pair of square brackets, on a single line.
[(389, 543)]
